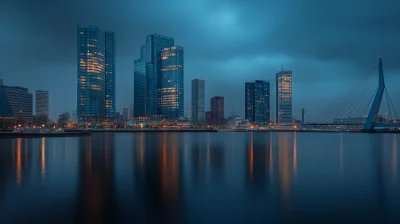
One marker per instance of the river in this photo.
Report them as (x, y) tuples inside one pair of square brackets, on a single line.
[(201, 178)]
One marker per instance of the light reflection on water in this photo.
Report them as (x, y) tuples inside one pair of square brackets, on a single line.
[(201, 177)]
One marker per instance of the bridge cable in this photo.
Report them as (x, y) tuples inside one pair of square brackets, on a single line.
[(387, 101), (370, 100), (362, 105), (391, 104), (341, 101), (355, 103), (347, 101), (329, 111)]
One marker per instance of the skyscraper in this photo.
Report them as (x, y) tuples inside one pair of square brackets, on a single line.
[(110, 74), (217, 110), (74, 116), (147, 75), (171, 91), (284, 97), (15, 102), (126, 114), (257, 101), (198, 100), (95, 73), (42, 104)]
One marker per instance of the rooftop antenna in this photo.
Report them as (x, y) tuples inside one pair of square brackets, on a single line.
[(281, 68)]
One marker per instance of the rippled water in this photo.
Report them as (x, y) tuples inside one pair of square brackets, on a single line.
[(201, 178)]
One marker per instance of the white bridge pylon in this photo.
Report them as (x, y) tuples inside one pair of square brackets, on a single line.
[(373, 113)]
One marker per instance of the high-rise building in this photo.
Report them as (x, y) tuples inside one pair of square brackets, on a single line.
[(198, 101), (257, 102), (284, 97), (171, 90), (126, 114), (42, 104), (217, 110), (110, 74), (1, 82), (302, 115), (208, 117), (131, 113), (147, 75), (74, 116), (15, 102), (95, 73)]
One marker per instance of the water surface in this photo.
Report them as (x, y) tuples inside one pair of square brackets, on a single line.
[(201, 178)]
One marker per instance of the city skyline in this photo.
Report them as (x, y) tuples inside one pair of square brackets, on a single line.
[(322, 62)]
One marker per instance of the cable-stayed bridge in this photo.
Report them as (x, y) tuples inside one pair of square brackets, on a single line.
[(360, 105)]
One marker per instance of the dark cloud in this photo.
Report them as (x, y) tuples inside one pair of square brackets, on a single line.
[(327, 44)]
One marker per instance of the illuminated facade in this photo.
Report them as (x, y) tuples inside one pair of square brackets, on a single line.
[(95, 73), (257, 102), (171, 84), (284, 97), (42, 104), (16, 102), (198, 101), (110, 74), (147, 75)]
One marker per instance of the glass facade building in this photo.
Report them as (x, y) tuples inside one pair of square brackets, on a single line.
[(16, 102), (95, 73), (42, 104), (257, 102), (284, 97), (147, 75), (110, 74), (171, 91), (217, 110), (198, 101)]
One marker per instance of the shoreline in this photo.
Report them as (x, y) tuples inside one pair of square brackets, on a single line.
[(77, 132), (40, 135)]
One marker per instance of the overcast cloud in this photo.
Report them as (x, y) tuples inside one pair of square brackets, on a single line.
[(327, 44)]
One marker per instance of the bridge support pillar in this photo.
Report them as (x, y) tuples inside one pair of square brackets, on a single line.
[(373, 113)]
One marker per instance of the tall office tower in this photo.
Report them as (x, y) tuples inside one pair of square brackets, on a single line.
[(42, 104), (217, 110), (95, 73), (147, 75), (171, 91), (15, 102), (208, 117), (302, 115), (74, 116), (284, 97), (110, 74), (131, 113), (198, 100), (126, 114), (257, 102), (1, 82)]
